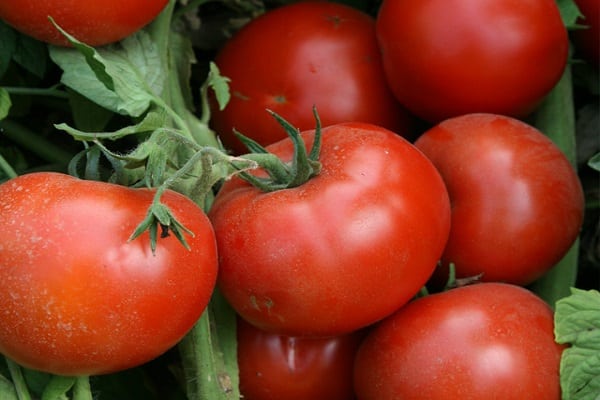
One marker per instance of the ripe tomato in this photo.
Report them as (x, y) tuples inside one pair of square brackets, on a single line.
[(342, 250), (444, 58), (587, 41), (77, 297), (517, 203), (93, 22), (300, 55), (274, 367), (479, 342)]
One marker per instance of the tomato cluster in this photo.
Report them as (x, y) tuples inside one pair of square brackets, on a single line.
[(425, 173)]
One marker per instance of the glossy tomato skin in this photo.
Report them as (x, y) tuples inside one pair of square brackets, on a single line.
[(298, 56), (344, 249), (587, 41), (77, 297), (444, 58), (95, 23), (480, 342), (517, 203), (275, 367)]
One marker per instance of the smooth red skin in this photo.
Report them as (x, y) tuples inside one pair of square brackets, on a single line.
[(517, 203), (77, 297), (587, 41), (299, 56), (444, 58), (95, 23), (341, 251), (479, 342), (275, 367)]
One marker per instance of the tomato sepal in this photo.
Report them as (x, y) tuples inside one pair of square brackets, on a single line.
[(282, 175)]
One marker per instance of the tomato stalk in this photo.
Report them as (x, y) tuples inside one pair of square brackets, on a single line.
[(18, 380), (284, 175)]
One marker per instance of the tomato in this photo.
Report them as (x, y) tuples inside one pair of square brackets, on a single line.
[(517, 203), (77, 297), (587, 40), (300, 55), (95, 23), (484, 341), (275, 367), (342, 250), (444, 58)]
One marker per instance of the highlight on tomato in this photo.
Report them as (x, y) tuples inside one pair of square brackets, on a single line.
[(517, 202), (478, 342), (78, 296), (301, 55), (95, 23)]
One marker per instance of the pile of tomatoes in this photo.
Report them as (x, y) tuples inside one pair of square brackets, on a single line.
[(425, 173)]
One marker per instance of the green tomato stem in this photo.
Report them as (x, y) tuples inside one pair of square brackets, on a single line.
[(43, 148), (18, 380)]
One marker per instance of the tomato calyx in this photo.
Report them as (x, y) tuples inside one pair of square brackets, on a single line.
[(283, 175)]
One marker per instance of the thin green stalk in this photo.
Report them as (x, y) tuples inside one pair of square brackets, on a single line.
[(82, 389), (27, 91), (45, 149), (18, 380), (7, 168)]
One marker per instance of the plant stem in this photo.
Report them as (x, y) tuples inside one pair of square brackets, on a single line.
[(82, 389), (18, 380), (45, 149), (7, 168), (26, 91)]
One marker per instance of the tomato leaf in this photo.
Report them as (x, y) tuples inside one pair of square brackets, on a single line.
[(5, 103), (151, 121), (569, 12), (124, 77), (219, 84), (577, 322), (7, 389), (8, 45), (58, 387), (594, 162)]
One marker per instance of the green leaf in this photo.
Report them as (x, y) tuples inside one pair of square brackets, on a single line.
[(594, 162), (577, 322), (151, 121), (8, 45), (124, 77), (31, 54), (87, 115), (58, 387), (568, 11), (220, 85), (5, 103), (7, 389)]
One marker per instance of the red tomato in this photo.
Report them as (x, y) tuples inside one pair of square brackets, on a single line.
[(297, 56), (77, 297), (587, 41), (480, 342), (444, 58), (95, 23), (517, 203), (340, 251), (274, 367)]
